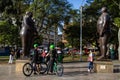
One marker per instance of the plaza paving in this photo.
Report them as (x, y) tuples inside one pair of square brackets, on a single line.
[(72, 71)]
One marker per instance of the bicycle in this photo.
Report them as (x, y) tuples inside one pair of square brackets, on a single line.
[(28, 68), (58, 68)]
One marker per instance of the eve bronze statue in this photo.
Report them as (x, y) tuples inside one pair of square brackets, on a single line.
[(103, 30), (27, 33)]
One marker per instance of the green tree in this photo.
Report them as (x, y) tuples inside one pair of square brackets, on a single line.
[(8, 34), (72, 33), (60, 44), (11, 11), (38, 39), (117, 21)]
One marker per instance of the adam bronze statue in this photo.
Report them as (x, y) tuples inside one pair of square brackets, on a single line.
[(103, 30), (27, 33)]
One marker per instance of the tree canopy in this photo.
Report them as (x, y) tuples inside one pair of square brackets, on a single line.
[(47, 13), (55, 13)]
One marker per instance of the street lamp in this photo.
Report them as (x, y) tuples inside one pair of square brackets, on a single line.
[(81, 33)]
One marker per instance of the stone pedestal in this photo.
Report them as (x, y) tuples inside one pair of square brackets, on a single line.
[(103, 66), (19, 65)]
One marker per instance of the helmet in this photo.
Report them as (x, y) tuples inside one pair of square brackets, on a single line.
[(52, 46), (35, 45)]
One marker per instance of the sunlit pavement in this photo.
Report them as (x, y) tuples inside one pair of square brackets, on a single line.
[(72, 71)]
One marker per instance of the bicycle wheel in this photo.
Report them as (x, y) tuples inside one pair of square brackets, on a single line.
[(27, 69), (42, 68), (60, 69)]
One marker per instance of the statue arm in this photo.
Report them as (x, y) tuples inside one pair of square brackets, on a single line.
[(30, 22)]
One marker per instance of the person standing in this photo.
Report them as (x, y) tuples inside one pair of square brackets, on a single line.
[(43, 54), (53, 56), (90, 61), (17, 53), (60, 55), (103, 30), (112, 52), (11, 56)]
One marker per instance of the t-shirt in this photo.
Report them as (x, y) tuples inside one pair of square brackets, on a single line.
[(53, 53), (91, 57)]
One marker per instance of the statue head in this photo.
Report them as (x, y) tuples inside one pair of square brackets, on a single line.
[(30, 14), (104, 9)]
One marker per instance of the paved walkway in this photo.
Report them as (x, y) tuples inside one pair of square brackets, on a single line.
[(72, 71)]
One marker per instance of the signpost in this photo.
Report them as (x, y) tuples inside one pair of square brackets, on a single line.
[(81, 33)]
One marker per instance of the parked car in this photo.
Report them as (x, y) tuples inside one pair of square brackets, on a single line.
[(65, 50)]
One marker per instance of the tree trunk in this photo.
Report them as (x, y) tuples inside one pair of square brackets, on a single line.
[(119, 44)]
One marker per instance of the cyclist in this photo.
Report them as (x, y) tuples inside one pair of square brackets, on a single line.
[(35, 57), (53, 56)]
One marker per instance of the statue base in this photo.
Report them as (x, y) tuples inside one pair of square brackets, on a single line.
[(19, 65), (103, 66)]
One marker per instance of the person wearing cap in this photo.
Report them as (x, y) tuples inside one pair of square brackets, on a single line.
[(103, 31)]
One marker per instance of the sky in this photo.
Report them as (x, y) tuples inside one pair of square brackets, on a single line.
[(77, 3)]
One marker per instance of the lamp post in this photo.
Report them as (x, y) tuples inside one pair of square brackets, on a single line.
[(81, 33)]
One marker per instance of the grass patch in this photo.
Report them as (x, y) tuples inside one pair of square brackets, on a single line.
[(4, 57)]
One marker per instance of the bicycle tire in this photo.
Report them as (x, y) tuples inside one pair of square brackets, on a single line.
[(60, 69), (27, 69), (42, 68)]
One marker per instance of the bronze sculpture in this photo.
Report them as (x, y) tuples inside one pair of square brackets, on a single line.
[(27, 33), (103, 30)]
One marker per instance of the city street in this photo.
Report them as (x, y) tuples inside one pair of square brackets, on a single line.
[(72, 71)]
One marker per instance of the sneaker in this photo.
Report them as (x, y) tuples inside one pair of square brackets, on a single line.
[(88, 70)]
